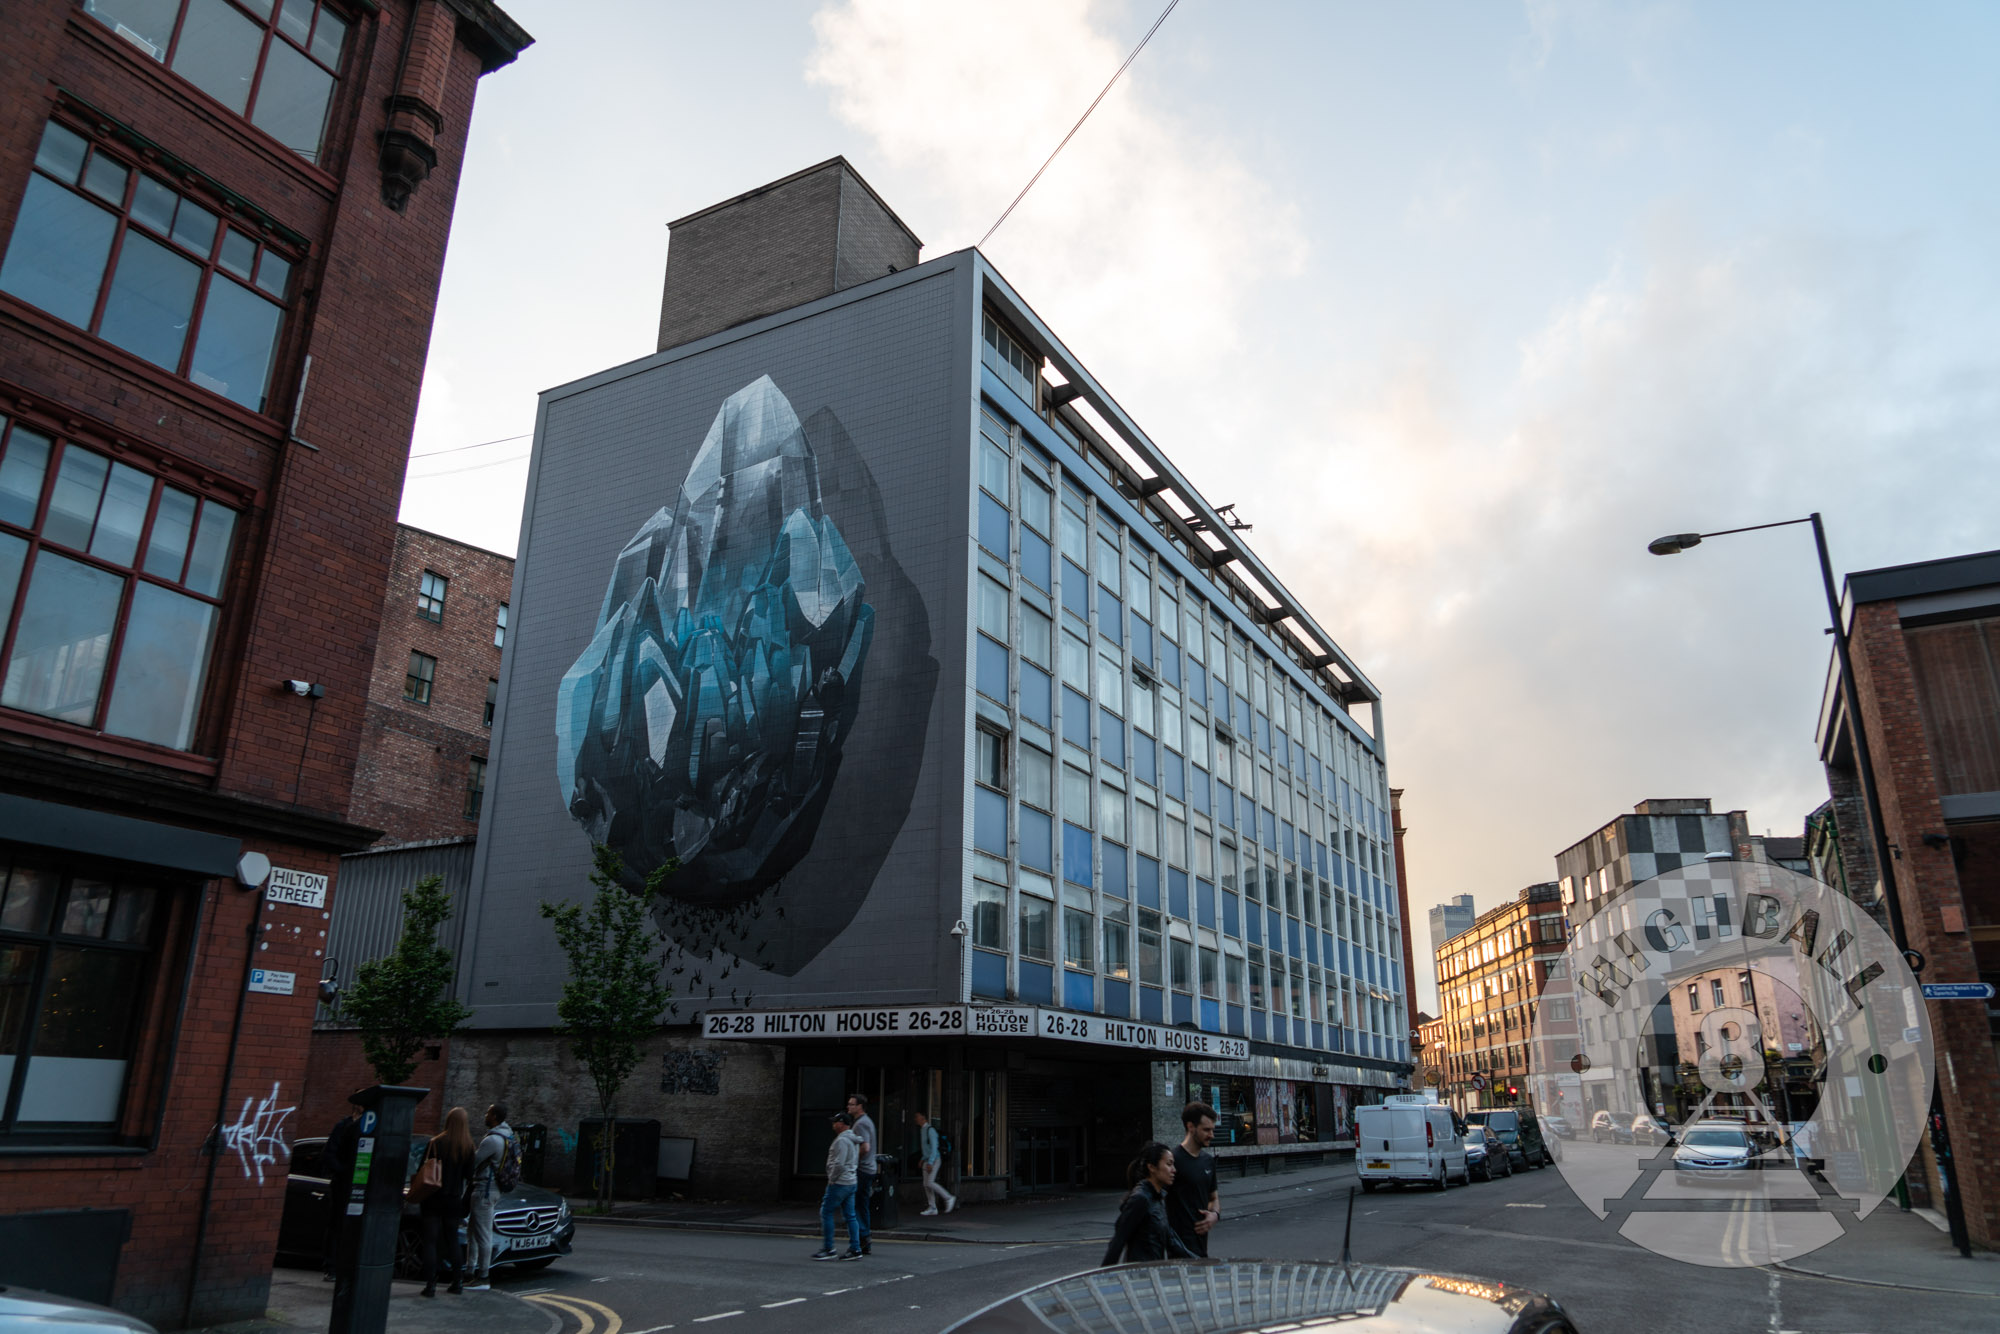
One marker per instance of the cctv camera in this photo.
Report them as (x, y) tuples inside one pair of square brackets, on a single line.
[(306, 689), (959, 928)]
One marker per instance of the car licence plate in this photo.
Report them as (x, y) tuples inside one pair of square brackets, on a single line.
[(1378, 1164)]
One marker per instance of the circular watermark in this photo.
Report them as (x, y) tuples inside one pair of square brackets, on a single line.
[(1741, 1054)]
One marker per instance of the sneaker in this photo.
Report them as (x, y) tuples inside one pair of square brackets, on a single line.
[(951, 1204), (867, 1246), (479, 1285), (929, 1213), (828, 1254), (853, 1255)]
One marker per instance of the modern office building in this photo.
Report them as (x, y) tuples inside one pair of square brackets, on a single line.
[(993, 772), (223, 228), (1490, 980), (1450, 918), (1925, 644)]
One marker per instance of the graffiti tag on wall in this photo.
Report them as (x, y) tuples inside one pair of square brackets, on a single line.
[(257, 1137), (692, 1072)]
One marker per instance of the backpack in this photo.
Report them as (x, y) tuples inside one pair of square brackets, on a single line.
[(944, 1142), (507, 1172)]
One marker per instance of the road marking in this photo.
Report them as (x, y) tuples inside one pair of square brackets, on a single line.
[(1527, 1206), (836, 1292), (582, 1310), (772, 1306), (655, 1329), (606, 1279), (719, 1315)]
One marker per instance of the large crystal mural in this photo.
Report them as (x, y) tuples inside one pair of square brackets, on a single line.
[(706, 718)]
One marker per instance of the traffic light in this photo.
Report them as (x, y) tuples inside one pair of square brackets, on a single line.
[(1513, 1092)]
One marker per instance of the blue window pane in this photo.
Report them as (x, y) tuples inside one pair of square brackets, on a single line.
[(1235, 1017), (1263, 734), (1035, 691), (1115, 872), (1312, 947), (1253, 924), (989, 974), (1075, 590), (1286, 842), (1038, 983), (994, 527), (1143, 767), (1173, 777), (1149, 1005), (1170, 665), (1035, 560), (1197, 685), (1204, 903), (1198, 791), (1326, 947), (1283, 748), (1249, 815), (992, 670), (1177, 892), (1149, 883), (151, 302), (239, 334), (1110, 616), (1076, 718), (1225, 805), (1319, 850), (1076, 854), (1243, 716), (1270, 838), (1117, 998), (1211, 1015), (1183, 1008), (1232, 914), (1111, 733), (1142, 640), (1345, 967), (989, 821), (1293, 945), (1036, 831), (1274, 927), (1318, 1034), (1078, 992), (55, 259), (1257, 1025)]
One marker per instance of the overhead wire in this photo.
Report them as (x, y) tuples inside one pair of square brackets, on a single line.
[(1081, 119), (470, 467), (505, 439)]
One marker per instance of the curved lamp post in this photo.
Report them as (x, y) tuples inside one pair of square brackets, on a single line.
[(1675, 543)]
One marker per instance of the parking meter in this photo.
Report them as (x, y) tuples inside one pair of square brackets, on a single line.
[(365, 1260)]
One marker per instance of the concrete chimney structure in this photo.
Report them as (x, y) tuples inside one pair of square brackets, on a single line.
[(781, 245)]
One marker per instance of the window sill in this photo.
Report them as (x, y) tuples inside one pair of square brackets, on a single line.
[(72, 1150), (50, 729), (221, 118)]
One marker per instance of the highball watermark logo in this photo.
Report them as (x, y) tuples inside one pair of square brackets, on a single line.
[(1742, 1055)]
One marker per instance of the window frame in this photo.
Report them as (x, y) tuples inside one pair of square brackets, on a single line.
[(475, 785), (163, 58), (163, 472), (430, 606), (428, 681), (500, 627)]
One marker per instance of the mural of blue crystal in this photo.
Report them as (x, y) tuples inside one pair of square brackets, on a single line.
[(705, 719)]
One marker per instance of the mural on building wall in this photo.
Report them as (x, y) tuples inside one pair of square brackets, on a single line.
[(735, 652)]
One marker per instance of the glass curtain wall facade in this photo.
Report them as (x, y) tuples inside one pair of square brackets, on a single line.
[(1171, 822)]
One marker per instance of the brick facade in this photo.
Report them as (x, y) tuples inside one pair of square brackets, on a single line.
[(411, 779), (1946, 881), (315, 479)]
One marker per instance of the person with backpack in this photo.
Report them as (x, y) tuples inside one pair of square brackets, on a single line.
[(933, 1146), (496, 1171)]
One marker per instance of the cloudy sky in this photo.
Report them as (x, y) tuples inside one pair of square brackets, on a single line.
[(1459, 303)]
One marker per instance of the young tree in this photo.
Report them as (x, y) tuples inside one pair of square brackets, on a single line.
[(614, 996), (402, 1002)]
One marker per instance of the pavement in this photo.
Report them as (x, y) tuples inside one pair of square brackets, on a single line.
[(1890, 1248), (302, 1300)]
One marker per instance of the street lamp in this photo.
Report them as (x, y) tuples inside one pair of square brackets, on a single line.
[(1675, 543)]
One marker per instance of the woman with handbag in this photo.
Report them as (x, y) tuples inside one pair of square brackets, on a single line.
[(441, 1191)]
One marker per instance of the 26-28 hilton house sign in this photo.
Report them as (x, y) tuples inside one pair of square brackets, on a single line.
[(972, 1021)]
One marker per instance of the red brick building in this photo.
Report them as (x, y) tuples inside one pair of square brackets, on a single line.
[(222, 224), (1925, 641), (430, 700)]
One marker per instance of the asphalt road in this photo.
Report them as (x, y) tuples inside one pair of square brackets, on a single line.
[(1528, 1229)]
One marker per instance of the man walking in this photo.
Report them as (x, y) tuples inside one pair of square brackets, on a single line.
[(864, 1189), (1194, 1205), (495, 1160), (838, 1201), (933, 1157)]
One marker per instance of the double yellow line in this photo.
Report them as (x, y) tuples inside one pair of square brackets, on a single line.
[(586, 1312)]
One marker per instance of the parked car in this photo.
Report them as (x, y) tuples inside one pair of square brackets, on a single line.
[(531, 1226), (1559, 1127), (1227, 1296), (1606, 1128), (1518, 1133), (1492, 1159), (1412, 1142), (28, 1309), (1714, 1151), (1647, 1131)]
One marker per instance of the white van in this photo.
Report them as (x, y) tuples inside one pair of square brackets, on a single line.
[(1408, 1141)]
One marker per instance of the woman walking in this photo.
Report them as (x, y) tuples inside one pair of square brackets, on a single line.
[(444, 1207), (1142, 1232)]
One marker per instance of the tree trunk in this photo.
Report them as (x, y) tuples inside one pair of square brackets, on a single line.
[(610, 1155)]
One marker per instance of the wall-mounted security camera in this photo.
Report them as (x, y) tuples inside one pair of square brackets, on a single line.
[(306, 689), (959, 928)]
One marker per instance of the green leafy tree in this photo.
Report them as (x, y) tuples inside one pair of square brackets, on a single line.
[(614, 997), (402, 1002)]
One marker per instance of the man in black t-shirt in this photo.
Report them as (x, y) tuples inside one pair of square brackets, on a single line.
[(1193, 1203)]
